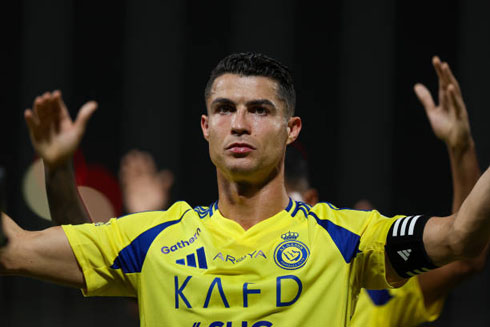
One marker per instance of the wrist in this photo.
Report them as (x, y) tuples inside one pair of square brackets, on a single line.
[(58, 167), (462, 147)]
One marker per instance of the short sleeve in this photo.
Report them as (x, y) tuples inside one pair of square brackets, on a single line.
[(370, 264), (97, 248), (361, 237)]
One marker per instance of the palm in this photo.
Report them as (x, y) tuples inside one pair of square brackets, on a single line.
[(441, 122)]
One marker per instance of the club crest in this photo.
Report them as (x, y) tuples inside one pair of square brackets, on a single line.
[(291, 254)]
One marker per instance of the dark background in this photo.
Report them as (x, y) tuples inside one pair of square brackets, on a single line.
[(146, 63)]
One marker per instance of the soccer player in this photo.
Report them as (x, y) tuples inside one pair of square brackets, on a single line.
[(254, 257)]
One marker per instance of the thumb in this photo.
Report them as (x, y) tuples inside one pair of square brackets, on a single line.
[(85, 113), (424, 96)]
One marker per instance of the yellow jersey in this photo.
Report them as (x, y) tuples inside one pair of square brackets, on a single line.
[(194, 267)]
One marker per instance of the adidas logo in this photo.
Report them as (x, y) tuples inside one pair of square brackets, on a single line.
[(405, 254), (190, 259)]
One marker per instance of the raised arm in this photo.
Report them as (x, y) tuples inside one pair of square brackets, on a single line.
[(45, 255), (465, 234), (450, 124), (449, 121), (55, 138)]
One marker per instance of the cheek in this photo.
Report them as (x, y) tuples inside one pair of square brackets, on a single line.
[(274, 135), (213, 129)]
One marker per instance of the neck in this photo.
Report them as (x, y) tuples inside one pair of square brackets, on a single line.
[(250, 203)]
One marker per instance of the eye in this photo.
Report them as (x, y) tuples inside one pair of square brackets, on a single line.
[(259, 110), (224, 109)]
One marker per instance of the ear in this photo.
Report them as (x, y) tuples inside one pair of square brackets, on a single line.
[(294, 127), (205, 126)]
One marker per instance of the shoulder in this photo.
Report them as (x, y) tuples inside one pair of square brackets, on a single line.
[(351, 219), (137, 223), (174, 212), (359, 222)]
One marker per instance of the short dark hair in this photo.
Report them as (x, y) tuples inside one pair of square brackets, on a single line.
[(256, 64)]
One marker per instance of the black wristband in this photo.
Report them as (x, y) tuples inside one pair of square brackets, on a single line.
[(405, 246)]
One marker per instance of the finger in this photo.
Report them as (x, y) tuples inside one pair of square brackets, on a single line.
[(147, 162), (445, 75), (456, 101), (42, 102), (41, 110), (52, 119), (32, 123), (31, 120), (140, 163), (35, 106), (445, 101), (452, 80), (436, 62), (84, 115), (126, 159), (127, 169), (63, 110), (424, 97)]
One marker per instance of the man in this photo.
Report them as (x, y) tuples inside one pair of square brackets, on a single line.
[(254, 258)]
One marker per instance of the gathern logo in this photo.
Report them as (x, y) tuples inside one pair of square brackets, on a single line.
[(291, 254), (181, 244)]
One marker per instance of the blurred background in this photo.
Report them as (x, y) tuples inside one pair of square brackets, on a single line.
[(146, 63)]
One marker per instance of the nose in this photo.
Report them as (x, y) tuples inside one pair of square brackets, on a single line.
[(240, 124)]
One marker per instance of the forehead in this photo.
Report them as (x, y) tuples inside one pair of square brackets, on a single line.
[(244, 88)]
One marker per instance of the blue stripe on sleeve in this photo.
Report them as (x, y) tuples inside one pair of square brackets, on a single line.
[(346, 241), (131, 258)]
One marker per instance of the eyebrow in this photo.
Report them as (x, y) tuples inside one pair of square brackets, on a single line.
[(222, 101), (259, 102)]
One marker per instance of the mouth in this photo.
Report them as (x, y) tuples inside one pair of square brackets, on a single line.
[(240, 148)]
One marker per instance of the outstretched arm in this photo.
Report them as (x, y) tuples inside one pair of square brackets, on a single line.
[(449, 121), (42, 254), (465, 234), (55, 138)]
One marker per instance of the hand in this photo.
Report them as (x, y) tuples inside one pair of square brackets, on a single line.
[(143, 187), (54, 135), (449, 119)]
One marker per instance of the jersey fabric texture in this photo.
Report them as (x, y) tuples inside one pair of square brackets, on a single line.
[(190, 267), (402, 306)]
